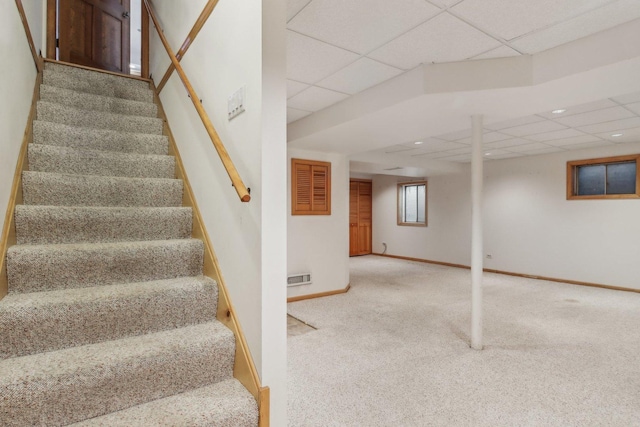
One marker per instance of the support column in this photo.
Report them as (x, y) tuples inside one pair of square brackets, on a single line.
[(476, 232)]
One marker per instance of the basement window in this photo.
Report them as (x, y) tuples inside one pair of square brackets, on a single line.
[(604, 178), (412, 203)]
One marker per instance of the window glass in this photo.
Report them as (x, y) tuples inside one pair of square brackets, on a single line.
[(621, 178), (411, 203), (421, 204), (591, 180)]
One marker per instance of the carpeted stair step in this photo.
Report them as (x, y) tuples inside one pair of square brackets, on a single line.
[(46, 321), (48, 133), (87, 101), (39, 225), (49, 158), (66, 386), (57, 113), (35, 268), (46, 188), (225, 404), (95, 76), (117, 87)]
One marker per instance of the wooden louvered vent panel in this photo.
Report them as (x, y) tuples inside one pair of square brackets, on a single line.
[(310, 187)]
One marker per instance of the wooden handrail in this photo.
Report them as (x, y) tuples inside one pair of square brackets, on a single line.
[(206, 12), (25, 24), (242, 191)]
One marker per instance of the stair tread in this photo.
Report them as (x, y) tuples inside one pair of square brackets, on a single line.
[(224, 404), (74, 384), (32, 321), (105, 85), (51, 188), (96, 102), (37, 224), (83, 161), (32, 268), (94, 75), (57, 134), (59, 113)]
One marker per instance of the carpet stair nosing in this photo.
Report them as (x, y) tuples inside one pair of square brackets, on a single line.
[(94, 102), (79, 161), (49, 188), (34, 268), (39, 225), (58, 113), (48, 321), (50, 133), (74, 384), (224, 404)]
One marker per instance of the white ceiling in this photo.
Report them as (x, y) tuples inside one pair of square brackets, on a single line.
[(338, 48), (581, 126)]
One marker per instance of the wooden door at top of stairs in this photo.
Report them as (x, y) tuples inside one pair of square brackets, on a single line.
[(360, 207), (95, 33)]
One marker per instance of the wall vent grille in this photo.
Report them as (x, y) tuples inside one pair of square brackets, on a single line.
[(299, 279)]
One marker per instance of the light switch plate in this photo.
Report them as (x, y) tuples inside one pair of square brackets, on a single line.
[(235, 103)]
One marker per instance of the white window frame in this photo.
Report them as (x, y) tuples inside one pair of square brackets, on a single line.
[(401, 203)]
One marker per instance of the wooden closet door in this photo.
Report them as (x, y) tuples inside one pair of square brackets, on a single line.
[(360, 214)]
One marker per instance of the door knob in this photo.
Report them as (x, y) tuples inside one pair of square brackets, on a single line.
[(125, 15)]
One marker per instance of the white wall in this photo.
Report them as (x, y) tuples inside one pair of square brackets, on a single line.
[(529, 227), (319, 244), (447, 236), (242, 44), (17, 80)]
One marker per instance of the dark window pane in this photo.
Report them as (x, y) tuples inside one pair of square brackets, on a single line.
[(591, 180), (621, 178)]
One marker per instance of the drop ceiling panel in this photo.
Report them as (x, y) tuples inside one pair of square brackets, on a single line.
[(455, 136), (487, 138), (399, 149), (294, 114), (558, 134), (628, 135), (600, 19), (512, 18), (615, 126), (527, 147), (315, 99), (359, 76), (294, 88), (309, 60), (514, 122), (434, 146), (295, 6), (598, 116), (628, 99), (361, 25), (507, 143), (504, 156), (499, 52), (542, 151), (594, 144), (573, 141), (462, 158), (533, 128), (444, 3), (583, 108), (634, 107), (441, 39)]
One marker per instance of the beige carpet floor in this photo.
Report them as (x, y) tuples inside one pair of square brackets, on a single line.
[(394, 351)]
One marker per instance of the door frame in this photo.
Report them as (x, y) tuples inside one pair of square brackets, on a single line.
[(52, 21)]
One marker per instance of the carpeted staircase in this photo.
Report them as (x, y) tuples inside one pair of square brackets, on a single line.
[(109, 320)]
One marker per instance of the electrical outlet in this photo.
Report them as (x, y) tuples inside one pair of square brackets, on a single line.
[(489, 256), (235, 103)]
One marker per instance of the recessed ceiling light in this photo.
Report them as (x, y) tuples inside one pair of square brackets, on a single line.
[(559, 111), (615, 135), (418, 142)]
